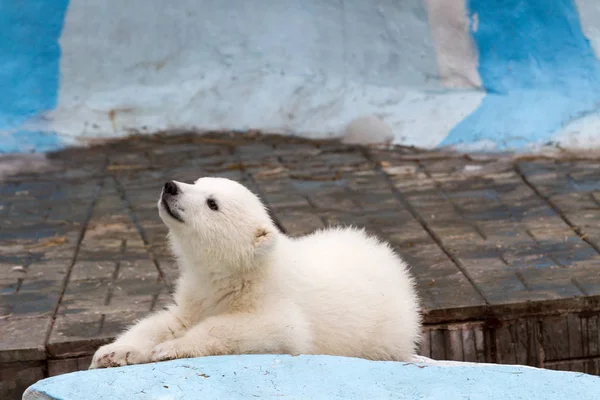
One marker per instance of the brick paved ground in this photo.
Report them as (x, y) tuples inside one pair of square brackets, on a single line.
[(506, 253)]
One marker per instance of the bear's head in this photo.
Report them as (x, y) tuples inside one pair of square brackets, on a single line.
[(216, 221)]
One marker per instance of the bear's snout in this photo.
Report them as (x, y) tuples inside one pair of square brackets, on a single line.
[(171, 188)]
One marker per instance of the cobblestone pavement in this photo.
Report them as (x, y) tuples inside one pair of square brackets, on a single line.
[(506, 252)]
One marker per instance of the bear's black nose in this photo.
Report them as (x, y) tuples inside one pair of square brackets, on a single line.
[(171, 188)]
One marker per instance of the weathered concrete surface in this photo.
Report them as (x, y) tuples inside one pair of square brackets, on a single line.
[(314, 377), (505, 252)]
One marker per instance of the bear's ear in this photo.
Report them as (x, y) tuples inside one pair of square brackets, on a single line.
[(263, 239)]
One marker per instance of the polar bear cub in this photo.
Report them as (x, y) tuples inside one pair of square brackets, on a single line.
[(244, 287)]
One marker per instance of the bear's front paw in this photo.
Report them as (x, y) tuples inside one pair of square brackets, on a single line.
[(171, 350), (117, 355)]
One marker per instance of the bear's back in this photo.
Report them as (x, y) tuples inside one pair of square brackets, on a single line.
[(356, 292)]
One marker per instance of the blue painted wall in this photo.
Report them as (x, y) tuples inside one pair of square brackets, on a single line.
[(29, 70), (537, 67)]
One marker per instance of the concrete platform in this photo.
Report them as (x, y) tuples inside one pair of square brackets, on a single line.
[(315, 377), (506, 252)]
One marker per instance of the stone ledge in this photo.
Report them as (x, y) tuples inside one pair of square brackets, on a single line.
[(315, 377)]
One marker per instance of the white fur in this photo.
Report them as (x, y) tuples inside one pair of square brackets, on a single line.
[(247, 288)]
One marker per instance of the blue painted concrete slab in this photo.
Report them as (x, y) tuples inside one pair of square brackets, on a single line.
[(315, 377)]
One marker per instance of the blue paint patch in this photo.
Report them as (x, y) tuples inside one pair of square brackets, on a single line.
[(29, 69), (538, 68)]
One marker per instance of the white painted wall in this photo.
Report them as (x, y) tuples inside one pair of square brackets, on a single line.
[(584, 133), (305, 67)]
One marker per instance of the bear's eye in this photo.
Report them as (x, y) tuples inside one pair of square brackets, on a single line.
[(212, 204)]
